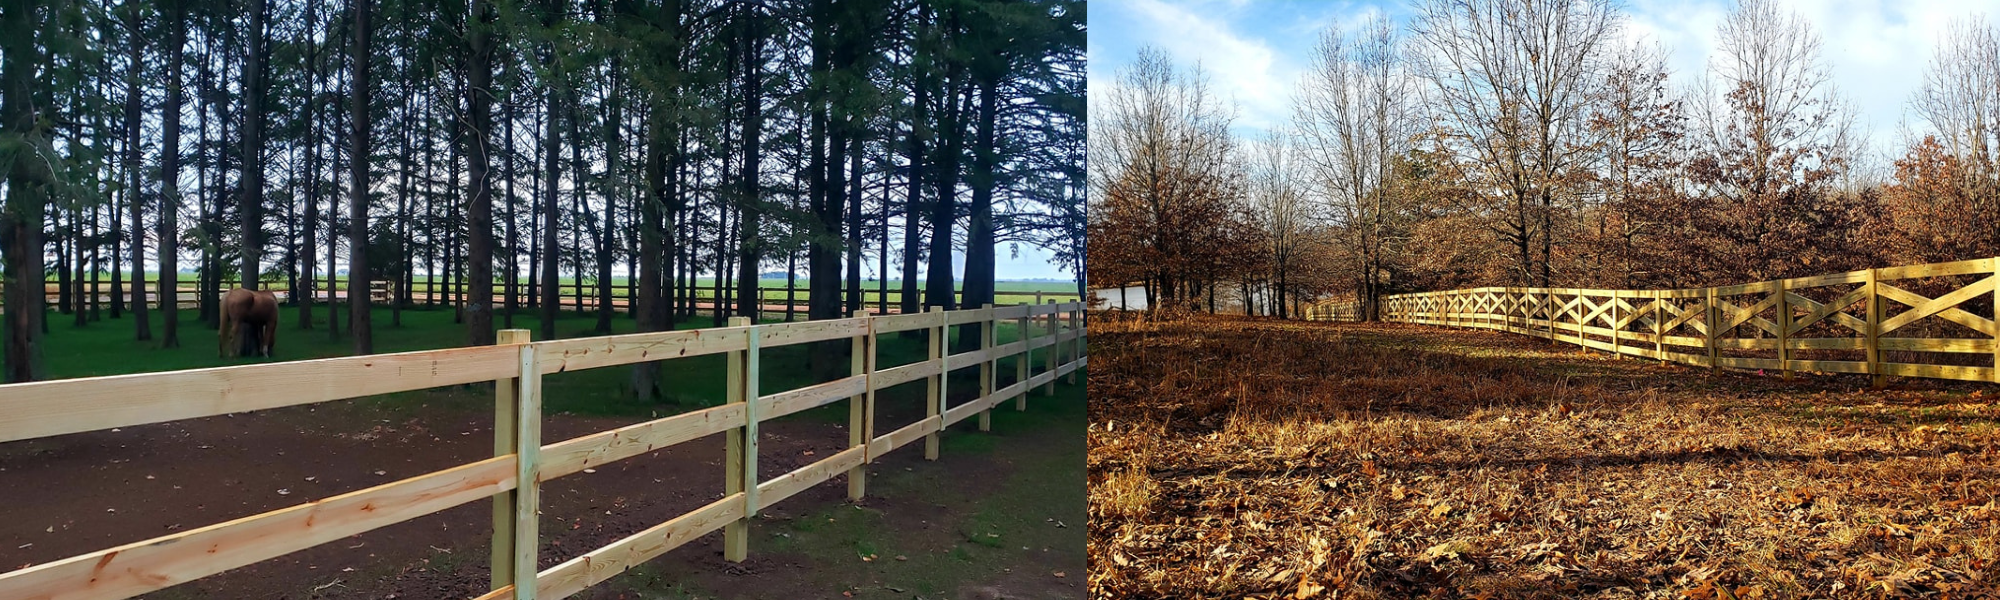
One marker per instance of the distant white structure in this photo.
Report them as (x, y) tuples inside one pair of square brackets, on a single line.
[(1130, 297)]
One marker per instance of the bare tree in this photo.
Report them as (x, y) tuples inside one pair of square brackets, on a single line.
[(1960, 98), (1960, 102), (1774, 138), (1357, 116), (1163, 182), (1642, 127), (1281, 210), (1513, 82)]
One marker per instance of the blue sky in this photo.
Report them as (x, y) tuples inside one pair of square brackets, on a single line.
[(1254, 50)]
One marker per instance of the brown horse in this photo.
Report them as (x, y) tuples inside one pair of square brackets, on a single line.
[(258, 311)]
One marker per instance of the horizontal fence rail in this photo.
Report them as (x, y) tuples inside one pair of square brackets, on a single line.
[(1931, 321), (521, 461)]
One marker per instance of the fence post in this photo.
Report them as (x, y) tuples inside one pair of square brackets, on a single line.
[(1874, 343), (1784, 329), (1549, 311), (1054, 356), (1659, 335), (1579, 319), (861, 408), (1616, 331), (934, 386), (507, 396), (741, 443), (1022, 362), (1712, 314), (986, 367), (527, 478), (1076, 340), (1996, 321)]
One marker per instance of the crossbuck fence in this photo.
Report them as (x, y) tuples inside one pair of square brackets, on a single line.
[(521, 462), (1933, 321)]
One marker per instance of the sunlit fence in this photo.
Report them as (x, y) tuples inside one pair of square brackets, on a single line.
[(1933, 321), (521, 461)]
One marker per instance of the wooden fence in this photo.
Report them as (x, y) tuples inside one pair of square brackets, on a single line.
[(1858, 322), (521, 460), (574, 295)]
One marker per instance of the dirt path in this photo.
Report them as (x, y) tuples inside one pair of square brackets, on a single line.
[(80, 493), (1237, 457)]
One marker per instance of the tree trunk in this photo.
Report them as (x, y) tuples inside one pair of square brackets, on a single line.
[(170, 194), (854, 239), (479, 212), (21, 217), (303, 294), (357, 224), (550, 290), (979, 251), (250, 205), (748, 295)]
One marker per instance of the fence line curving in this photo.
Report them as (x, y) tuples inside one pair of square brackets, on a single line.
[(1879, 322), (521, 460)]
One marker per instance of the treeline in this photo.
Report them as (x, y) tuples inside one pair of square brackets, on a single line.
[(1502, 142), (506, 145)]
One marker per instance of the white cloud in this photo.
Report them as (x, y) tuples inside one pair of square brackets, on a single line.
[(1244, 68), (1876, 50)]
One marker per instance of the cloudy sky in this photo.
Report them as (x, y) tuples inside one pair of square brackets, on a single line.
[(1254, 50)]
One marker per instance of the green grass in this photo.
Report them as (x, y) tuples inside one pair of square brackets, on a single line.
[(1009, 530)]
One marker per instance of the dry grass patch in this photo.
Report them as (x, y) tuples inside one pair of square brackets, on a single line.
[(1247, 458)]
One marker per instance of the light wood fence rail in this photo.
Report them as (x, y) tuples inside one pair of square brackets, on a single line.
[(1856, 322), (516, 365)]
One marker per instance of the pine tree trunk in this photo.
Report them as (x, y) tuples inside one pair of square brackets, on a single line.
[(357, 224), (479, 213), (250, 205), (748, 294), (170, 195)]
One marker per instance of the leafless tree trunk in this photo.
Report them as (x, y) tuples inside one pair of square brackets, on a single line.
[(1357, 118), (1512, 81)]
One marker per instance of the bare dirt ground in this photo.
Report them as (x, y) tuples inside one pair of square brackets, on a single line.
[(80, 493), (1231, 457)]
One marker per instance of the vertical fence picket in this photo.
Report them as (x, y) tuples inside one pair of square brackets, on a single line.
[(1076, 337), (1876, 378), (506, 428), (1051, 356), (527, 480), (861, 407), (1712, 317), (986, 367), (934, 397), (1659, 320), (741, 443), (1024, 361), (1785, 329)]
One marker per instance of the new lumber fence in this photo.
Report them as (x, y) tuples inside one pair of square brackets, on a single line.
[(1928, 321), (516, 366)]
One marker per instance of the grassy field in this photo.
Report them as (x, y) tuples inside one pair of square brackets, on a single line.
[(1232, 457)]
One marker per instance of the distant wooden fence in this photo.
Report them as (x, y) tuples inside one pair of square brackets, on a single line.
[(42, 409), (575, 295), (1845, 323)]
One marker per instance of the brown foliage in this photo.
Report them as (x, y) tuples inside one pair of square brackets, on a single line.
[(1939, 208), (1234, 457)]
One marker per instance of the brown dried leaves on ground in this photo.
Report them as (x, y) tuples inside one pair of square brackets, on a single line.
[(1235, 457)]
